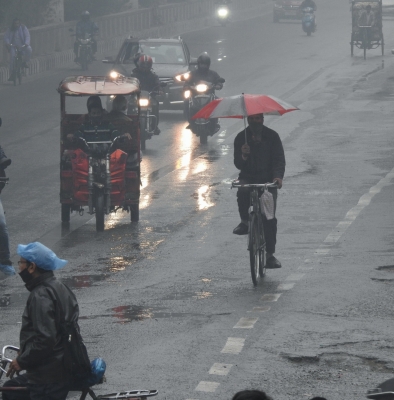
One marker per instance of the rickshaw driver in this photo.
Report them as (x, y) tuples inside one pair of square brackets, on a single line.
[(98, 127), (367, 18)]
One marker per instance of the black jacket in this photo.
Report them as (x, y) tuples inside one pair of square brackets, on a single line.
[(41, 352), (266, 160), (198, 76), (149, 81)]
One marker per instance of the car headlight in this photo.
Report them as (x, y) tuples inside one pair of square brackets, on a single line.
[(186, 94), (114, 74), (144, 102), (202, 87), (183, 77), (222, 12)]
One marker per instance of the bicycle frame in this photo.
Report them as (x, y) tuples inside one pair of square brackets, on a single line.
[(256, 239)]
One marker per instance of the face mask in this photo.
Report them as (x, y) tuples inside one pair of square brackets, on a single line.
[(256, 127), (26, 276)]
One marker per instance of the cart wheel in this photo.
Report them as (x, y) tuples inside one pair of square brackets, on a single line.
[(135, 212), (100, 211), (66, 211)]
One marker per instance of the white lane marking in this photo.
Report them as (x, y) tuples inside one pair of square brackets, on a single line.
[(220, 369), (322, 251), (286, 286), (260, 309), (354, 212), (245, 323), (233, 345), (205, 386), (295, 277), (271, 297)]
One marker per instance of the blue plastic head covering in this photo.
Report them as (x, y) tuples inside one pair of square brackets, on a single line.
[(8, 270), (42, 256)]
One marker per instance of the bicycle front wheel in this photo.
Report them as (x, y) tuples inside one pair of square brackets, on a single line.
[(254, 249)]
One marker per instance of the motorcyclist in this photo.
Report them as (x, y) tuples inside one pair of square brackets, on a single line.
[(204, 73), (18, 36), (85, 26), (149, 82), (308, 3)]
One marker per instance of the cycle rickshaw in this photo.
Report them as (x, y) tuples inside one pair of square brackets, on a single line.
[(103, 181), (365, 36)]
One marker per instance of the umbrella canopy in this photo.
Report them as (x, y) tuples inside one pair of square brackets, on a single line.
[(243, 105)]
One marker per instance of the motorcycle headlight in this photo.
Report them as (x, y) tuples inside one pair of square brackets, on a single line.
[(183, 77), (202, 87), (114, 74), (222, 12), (186, 94), (144, 102)]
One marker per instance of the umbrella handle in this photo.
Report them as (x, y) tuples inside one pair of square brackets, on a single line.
[(246, 139)]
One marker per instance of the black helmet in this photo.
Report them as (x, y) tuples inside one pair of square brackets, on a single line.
[(85, 15), (204, 58)]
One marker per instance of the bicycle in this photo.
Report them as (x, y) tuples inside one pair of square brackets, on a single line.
[(126, 395), (256, 239), (17, 65)]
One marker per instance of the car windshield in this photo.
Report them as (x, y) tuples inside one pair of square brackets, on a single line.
[(164, 53)]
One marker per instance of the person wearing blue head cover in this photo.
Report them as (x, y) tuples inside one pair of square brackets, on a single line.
[(41, 350)]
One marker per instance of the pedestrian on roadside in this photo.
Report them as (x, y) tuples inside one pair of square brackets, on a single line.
[(5, 262), (41, 351), (260, 160), (251, 395)]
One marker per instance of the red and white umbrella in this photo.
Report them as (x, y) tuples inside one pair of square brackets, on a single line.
[(244, 105)]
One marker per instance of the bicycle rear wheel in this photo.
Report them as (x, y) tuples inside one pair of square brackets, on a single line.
[(254, 249)]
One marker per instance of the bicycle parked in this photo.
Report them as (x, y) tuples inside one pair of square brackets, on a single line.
[(126, 395), (256, 239)]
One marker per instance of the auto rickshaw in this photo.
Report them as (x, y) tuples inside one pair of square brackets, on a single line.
[(363, 36), (99, 174)]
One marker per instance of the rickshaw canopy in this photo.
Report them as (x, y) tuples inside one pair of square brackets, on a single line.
[(98, 85)]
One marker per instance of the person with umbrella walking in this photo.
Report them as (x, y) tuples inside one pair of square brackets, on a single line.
[(259, 155)]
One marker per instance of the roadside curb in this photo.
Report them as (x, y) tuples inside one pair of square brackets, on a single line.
[(105, 47)]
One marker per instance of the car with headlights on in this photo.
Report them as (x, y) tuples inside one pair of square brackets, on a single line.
[(171, 62), (287, 9)]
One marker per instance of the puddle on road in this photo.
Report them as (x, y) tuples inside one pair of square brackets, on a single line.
[(83, 281), (386, 268), (13, 300), (189, 295), (126, 314)]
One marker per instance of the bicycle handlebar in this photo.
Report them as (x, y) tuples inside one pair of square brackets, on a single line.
[(267, 185)]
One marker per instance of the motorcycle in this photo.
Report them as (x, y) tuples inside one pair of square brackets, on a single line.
[(199, 96), (85, 51), (308, 20), (222, 14), (148, 120)]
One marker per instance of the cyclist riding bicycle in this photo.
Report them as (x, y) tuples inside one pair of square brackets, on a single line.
[(18, 37), (260, 160)]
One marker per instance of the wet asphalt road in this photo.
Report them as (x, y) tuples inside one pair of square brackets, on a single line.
[(169, 302)]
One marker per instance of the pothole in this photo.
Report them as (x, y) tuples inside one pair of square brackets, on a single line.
[(342, 362), (386, 268)]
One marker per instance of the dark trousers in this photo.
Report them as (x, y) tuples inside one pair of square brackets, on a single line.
[(270, 226), (50, 391)]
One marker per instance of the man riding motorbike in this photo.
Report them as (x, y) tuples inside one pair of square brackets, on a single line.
[(204, 73), (18, 36), (149, 82), (308, 3), (85, 26)]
